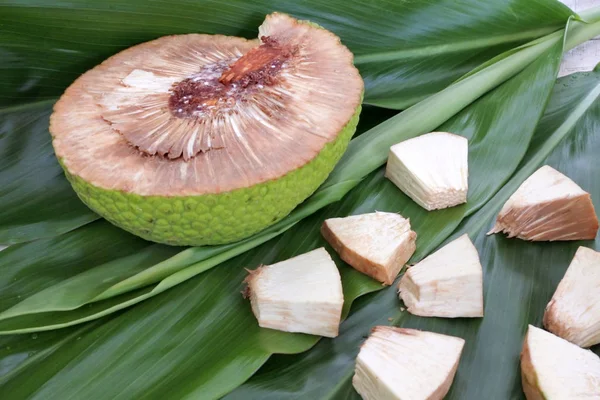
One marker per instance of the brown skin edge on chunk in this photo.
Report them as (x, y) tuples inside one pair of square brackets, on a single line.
[(367, 267), (581, 206), (528, 376)]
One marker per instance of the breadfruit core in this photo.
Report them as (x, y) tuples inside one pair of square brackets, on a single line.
[(206, 139)]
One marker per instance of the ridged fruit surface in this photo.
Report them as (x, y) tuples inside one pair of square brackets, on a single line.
[(214, 218)]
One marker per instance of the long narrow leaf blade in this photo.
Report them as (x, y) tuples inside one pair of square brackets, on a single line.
[(366, 153), (405, 50)]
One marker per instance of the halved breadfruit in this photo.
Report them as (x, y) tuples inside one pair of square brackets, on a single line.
[(206, 139)]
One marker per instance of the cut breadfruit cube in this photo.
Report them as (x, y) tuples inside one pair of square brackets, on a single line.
[(376, 244), (448, 283), (574, 311), (554, 369), (302, 294), (548, 206), (397, 363), (431, 169)]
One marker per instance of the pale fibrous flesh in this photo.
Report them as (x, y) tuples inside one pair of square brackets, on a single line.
[(399, 364), (431, 169), (302, 294), (221, 123), (555, 369), (548, 206), (238, 111), (448, 283), (376, 244), (574, 311)]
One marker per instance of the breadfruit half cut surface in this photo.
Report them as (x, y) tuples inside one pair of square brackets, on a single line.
[(206, 139)]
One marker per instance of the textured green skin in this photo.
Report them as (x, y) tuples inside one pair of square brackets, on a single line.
[(214, 218)]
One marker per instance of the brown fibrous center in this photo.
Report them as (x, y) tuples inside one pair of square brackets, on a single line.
[(219, 86)]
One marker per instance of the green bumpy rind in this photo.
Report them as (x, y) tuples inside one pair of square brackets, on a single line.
[(214, 218)]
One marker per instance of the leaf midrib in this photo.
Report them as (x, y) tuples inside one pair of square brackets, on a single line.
[(454, 47)]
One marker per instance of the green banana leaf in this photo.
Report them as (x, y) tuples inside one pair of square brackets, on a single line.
[(200, 340), (205, 321), (405, 51), (519, 277)]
